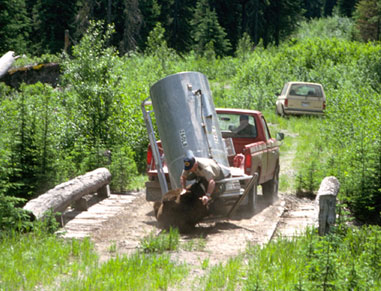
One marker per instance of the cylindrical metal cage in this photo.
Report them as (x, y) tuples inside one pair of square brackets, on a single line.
[(186, 120)]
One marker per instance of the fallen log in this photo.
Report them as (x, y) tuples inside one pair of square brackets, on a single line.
[(63, 195), (326, 200)]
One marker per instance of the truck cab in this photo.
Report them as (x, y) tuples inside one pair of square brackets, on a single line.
[(259, 150)]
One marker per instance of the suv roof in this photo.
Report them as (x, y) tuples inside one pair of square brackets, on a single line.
[(307, 83)]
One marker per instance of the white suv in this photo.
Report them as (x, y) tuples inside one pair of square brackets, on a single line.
[(301, 98)]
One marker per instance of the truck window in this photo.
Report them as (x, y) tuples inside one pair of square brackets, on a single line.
[(237, 125), (265, 128)]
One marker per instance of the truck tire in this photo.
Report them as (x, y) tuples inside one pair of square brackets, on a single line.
[(270, 188)]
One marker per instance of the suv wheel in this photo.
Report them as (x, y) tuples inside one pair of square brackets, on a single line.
[(277, 111)]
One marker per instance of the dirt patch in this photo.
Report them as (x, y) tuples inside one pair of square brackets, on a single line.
[(223, 238)]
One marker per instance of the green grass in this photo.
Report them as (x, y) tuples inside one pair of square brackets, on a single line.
[(166, 241), (348, 259), (303, 134), (225, 276), (196, 244), (37, 259), (137, 182), (29, 260), (139, 271)]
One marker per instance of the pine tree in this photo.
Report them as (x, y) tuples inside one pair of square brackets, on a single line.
[(281, 18), (206, 30), (328, 7), (50, 20), (179, 29), (368, 19), (253, 18), (150, 10), (229, 13), (313, 8), (131, 25), (14, 27), (346, 7)]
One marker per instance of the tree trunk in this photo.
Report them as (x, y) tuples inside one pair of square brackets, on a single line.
[(326, 199), (63, 195)]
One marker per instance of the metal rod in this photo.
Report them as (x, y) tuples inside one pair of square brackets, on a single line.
[(154, 147), (204, 115), (249, 186)]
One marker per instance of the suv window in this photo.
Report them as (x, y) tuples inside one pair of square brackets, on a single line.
[(306, 90)]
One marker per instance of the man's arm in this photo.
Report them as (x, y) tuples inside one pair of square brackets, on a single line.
[(211, 186), (183, 180), (240, 128), (208, 195)]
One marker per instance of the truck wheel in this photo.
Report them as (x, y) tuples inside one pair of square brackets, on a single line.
[(252, 199), (270, 188)]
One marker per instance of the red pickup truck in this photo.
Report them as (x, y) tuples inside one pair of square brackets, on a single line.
[(250, 149)]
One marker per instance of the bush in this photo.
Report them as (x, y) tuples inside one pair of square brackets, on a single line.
[(122, 168), (11, 216)]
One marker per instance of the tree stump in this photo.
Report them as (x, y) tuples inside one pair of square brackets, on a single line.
[(326, 199), (6, 62), (63, 195)]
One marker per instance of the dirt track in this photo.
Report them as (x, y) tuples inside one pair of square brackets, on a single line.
[(120, 222)]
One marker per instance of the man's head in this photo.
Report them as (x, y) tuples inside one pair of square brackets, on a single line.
[(189, 160), (243, 118)]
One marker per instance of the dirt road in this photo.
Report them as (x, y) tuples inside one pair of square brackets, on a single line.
[(118, 224)]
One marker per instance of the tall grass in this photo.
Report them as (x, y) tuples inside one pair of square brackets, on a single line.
[(137, 272), (38, 258), (163, 242), (225, 277), (305, 142), (348, 259)]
